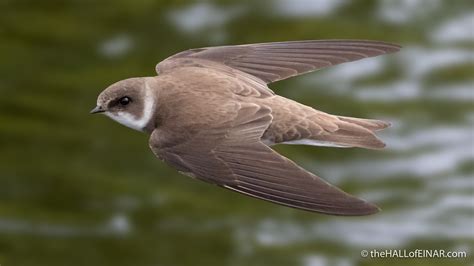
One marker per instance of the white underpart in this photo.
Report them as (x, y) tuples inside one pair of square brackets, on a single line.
[(130, 120), (310, 142)]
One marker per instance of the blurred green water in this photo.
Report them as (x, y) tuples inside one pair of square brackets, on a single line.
[(83, 190)]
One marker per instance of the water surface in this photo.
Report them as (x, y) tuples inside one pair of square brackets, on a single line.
[(77, 189)]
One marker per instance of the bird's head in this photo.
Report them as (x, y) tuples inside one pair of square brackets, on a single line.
[(129, 102)]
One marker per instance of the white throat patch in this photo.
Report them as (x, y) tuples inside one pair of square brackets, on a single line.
[(129, 120)]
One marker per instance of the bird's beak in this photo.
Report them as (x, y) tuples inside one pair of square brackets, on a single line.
[(97, 109)]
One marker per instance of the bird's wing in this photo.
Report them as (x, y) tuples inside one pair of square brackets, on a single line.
[(270, 62), (231, 155)]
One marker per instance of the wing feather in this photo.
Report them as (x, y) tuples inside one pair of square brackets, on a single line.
[(232, 156), (275, 61)]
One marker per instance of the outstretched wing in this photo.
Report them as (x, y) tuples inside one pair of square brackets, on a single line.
[(231, 155), (275, 61)]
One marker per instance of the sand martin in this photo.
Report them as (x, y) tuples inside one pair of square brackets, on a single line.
[(211, 115)]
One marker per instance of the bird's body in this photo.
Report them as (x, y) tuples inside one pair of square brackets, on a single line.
[(203, 96), (212, 116)]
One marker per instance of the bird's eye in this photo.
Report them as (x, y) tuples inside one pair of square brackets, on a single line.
[(125, 100)]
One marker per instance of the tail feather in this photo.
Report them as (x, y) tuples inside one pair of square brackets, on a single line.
[(353, 135), (370, 124), (307, 126)]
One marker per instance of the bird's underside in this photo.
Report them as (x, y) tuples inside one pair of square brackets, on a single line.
[(233, 151)]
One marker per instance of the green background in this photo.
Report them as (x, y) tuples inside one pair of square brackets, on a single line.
[(77, 189)]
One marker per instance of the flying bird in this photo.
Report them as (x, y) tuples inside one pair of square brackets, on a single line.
[(211, 115)]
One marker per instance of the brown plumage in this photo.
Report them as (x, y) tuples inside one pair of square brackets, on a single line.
[(212, 116)]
